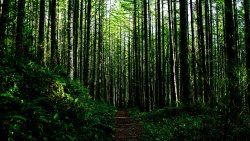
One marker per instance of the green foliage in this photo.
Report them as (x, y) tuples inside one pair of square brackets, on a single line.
[(195, 123), (37, 104)]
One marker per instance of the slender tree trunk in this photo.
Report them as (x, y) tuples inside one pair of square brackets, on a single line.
[(146, 54), (212, 93), (0, 7), (207, 53), (87, 44), (100, 46), (19, 29), (172, 56), (3, 24), (54, 46), (92, 84), (70, 71), (233, 91), (193, 54), (151, 66), (135, 42), (129, 68), (81, 43), (201, 45), (111, 87), (158, 91), (163, 94), (40, 53), (175, 53), (75, 40), (185, 76), (247, 44)]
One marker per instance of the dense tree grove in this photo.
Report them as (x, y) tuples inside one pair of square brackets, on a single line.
[(163, 57), (149, 53)]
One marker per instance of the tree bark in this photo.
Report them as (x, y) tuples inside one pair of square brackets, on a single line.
[(75, 40), (87, 44), (193, 54), (233, 91), (19, 29), (54, 60), (185, 76), (3, 24), (247, 44), (70, 69), (40, 53), (146, 54)]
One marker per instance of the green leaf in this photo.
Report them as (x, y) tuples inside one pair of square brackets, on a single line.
[(6, 95), (56, 116)]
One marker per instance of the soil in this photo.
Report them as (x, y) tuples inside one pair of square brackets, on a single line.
[(127, 129)]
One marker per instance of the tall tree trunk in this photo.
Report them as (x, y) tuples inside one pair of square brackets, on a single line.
[(0, 7), (129, 67), (207, 52), (185, 76), (201, 44), (233, 91), (93, 73), (111, 87), (3, 24), (75, 40), (176, 55), (81, 43), (19, 29), (172, 59), (212, 93), (247, 44), (163, 94), (100, 46), (70, 69), (146, 54), (40, 53), (135, 45), (193, 54), (87, 44), (54, 46), (158, 91)]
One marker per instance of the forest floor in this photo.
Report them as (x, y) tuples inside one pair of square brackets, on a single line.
[(126, 128)]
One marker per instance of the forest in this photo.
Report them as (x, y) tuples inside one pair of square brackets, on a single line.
[(124, 70)]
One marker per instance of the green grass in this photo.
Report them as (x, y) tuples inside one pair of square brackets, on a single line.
[(39, 104), (193, 124)]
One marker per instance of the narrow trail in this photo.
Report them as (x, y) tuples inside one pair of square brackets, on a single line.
[(126, 128)]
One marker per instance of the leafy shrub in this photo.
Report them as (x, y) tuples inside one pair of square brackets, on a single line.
[(195, 124), (37, 104)]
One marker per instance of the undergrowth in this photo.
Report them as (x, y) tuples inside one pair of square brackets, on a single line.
[(39, 104), (193, 124)]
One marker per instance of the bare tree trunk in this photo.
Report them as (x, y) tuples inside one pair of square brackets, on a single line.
[(70, 71), (193, 54), (54, 46), (146, 54), (87, 44), (247, 44), (40, 53), (185, 76), (233, 91), (75, 39), (19, 29), (3, 24)]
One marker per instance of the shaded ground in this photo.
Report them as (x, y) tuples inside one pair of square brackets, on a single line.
[(126, 128)]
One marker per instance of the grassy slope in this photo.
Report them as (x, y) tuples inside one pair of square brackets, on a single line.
[(38, 104), (193, 124)]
